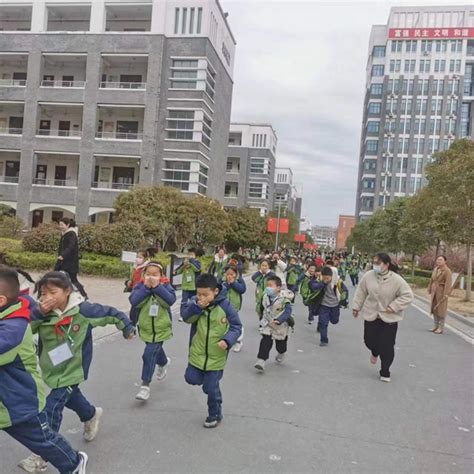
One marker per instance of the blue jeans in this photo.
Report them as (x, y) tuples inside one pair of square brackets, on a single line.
[(187, 295), (70, 397), (210, 386), (153, 355), (36, 435), (326, 315)]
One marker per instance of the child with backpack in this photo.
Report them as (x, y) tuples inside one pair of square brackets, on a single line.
[(332, 298), (260, 278), (275, 322), (312, 273), (190, 270), (293, 273), (153, 299)]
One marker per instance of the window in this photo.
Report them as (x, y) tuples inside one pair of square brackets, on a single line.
[(421, 106), (206, 131), (370, 165), (231, 190), (433, 145), (379, 51), (397, 46), (456, 46), (395, 65), (180, 124), (377, 70), (185, 63), (199, 21), (455, 65), (422, 86), (210, 82), (258, 190), (182, 185), (376, 89), (420, 145), (409, 65), (411, 46), (405, 126), (436, 106), (407, 86), (373, 127), (435, 127), (371, 147), (183, 21), (403, 146), (420, 126), (257, 165), (368, 183), (393, 86), (176, 21), (425, 65), (441, 46), (426, 46), (388, 145), (440, 65), (406, 106), (375, 108), (438, 87)]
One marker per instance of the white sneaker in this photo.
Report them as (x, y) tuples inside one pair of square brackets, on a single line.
[(162, 370), (260, 365), (280, 358), (81, 469), (238, 346), (180, 319), (91, 427), (385, 379), (143, 394), (33, 463)]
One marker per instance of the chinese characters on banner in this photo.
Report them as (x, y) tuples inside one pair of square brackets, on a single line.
[(430, 33), (272, 225), (300, 237)]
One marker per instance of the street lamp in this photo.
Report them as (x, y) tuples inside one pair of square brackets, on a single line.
[(278, 221)]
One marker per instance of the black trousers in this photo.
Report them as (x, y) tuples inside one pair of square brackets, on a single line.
[(266, 345), (379, 337), (77, 284), (354, 279)]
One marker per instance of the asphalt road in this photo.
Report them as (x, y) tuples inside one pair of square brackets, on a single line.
[(324, 410)]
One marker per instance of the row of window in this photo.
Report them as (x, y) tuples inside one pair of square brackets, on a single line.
[(404, 126), (187, 74), (439, 46), (404, 145), (424, 66), (187, 25), (398, 184), (180, 125), (406, 107)]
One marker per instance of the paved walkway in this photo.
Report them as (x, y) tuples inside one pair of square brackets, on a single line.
[(323, 411)]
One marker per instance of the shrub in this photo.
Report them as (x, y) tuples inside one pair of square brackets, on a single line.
[(10, 226), (44, 238), (10, 245), (111, 239)]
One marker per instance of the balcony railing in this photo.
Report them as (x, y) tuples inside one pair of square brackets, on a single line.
[(59, 133), (77, 84), (120, 135), (231, 196), (104, 185), (55, 182), (12, 82), (9, 179), (11, 131), (123, 85)]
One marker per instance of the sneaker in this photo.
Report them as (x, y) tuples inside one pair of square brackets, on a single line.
[(260, 365), (373, 359), (162, 370), (323, 344), (143, 394), (385, 379), (212, 422), (33, 463), (238, 346), (81, 468), (310, 322), (280, 358), (91, 427), (180, 319)]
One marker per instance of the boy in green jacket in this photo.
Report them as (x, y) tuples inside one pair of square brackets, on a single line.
[(22, 414), (215, 329)]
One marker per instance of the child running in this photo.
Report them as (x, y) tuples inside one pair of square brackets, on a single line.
[(293, 273), (274, 324), (215, 329), (307, 294), (236, 287), (22, 398), (153, 299), (260, 278), (333, 297), (142, 259), (189, 269), (64, 323)]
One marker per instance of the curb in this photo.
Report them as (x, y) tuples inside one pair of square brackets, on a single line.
[(451, 314)]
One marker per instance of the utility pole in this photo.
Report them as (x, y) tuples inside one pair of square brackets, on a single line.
[(278, 226)]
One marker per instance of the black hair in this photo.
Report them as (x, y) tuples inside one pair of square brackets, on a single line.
[(4, 263), (69, 221), (58, 279), (151, 252), (233, 268), (443, 256), (276, 279), (9, 284), (206, 280), (327, 271), (265, 260), (330, 263), (385, 258)]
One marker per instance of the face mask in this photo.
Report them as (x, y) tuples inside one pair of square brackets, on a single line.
[(139, 260), (270, 292), (377, 268)]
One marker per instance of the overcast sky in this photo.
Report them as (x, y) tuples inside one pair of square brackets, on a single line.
[(300, 65)]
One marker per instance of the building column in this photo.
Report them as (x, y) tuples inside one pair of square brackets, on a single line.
[(98, 17), (38, 16)]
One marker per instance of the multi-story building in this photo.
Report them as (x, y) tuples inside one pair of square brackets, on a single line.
[(286, 194), (250, 172), (96, 97), (344, 229), (324, 236), (419, 98)]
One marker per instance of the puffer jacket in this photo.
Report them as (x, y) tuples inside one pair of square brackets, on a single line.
[(278, 309)]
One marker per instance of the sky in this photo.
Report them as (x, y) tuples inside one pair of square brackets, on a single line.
[(300, 66)]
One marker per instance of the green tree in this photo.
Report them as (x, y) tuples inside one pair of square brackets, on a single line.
[(451, 187), (247, 229)]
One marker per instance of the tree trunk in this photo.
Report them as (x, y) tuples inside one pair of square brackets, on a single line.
[(469, 273), (438, 244), (413, 268)]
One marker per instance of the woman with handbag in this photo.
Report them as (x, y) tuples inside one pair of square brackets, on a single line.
[(68, 254)]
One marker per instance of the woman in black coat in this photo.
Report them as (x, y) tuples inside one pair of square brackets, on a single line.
[(68, 255)]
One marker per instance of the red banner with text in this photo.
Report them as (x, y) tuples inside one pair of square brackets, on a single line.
[(430, 33), (300, 237), (282, 228)]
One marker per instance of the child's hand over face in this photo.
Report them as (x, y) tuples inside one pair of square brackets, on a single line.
[(222, 345), (275, 322), (151, 281), (47, 304)]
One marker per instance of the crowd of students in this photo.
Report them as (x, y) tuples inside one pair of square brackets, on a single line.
[(63, 320)]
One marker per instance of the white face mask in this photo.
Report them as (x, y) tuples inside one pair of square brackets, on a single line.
[(377, 268)]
